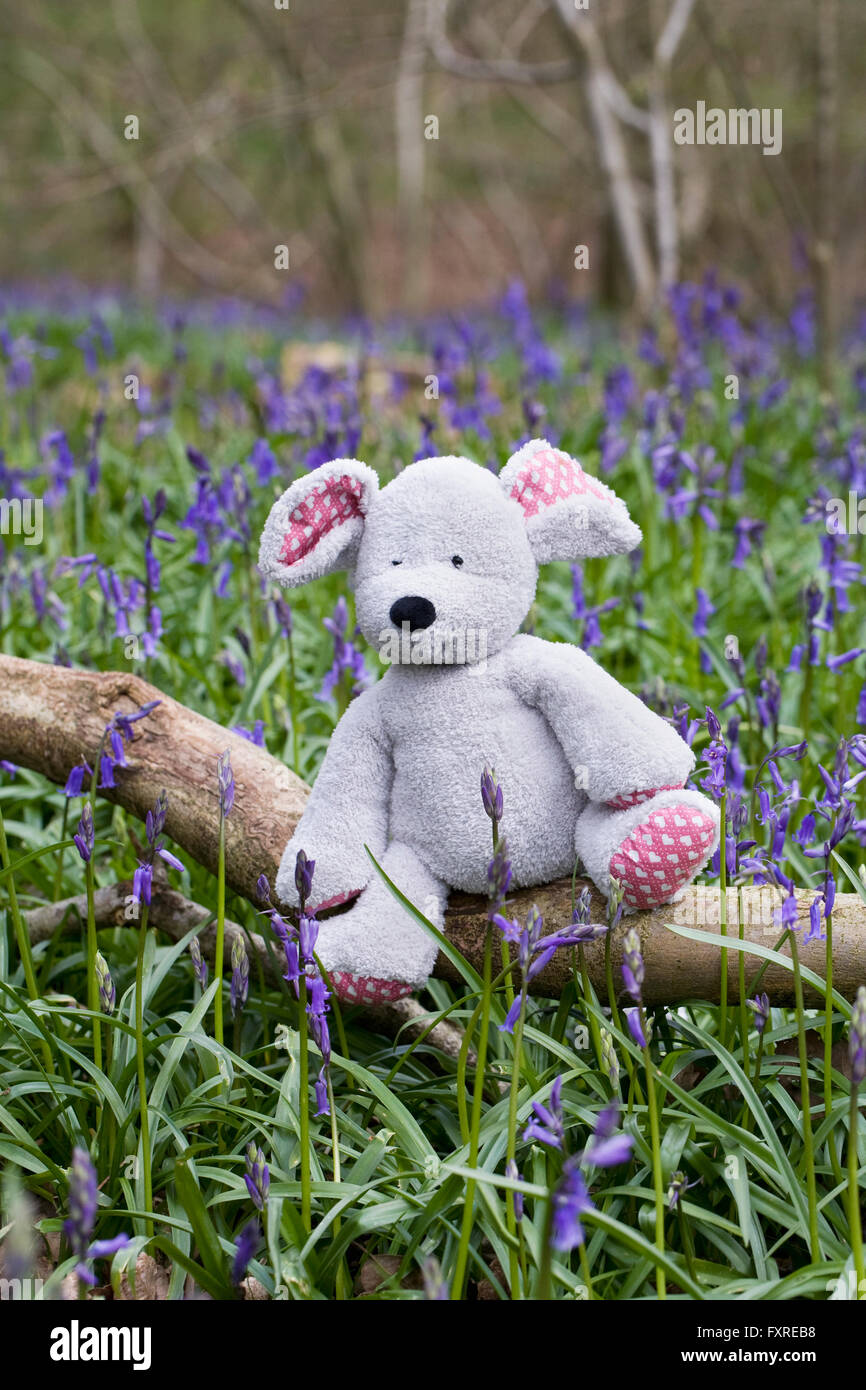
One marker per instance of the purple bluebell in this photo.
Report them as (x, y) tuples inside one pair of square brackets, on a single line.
[(107, 992), (511, 1171), (637, 1027), (632, 964), (678, 1187), (304, 868), (199, 964), (75, 780), (571, 1202), (747, 533), (257, 1176), (491, 796), (499, 877), (546, 1125), (534, 951), (760, 1007), (608, 1146), (308, 931), (609, 1059), (83, 837), (582, 930), (435, 1287), (348, 660), (246, 1245), (240, 984), (226, 783), (78, 1227), (255, 735)]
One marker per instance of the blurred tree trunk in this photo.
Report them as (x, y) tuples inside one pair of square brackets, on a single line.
[(410, 141), (613, 156), (826, 142), (661, 143)]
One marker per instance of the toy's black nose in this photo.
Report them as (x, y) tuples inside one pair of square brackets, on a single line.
[(417, 612)]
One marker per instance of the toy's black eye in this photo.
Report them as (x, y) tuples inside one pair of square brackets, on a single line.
[(396, 562), (457, 561)]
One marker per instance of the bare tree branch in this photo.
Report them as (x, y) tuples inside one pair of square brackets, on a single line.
[(488, 69)]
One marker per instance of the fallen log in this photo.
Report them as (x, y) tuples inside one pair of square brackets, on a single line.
[(52, 717)]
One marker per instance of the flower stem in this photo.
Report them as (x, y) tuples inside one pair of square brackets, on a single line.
[(741, 977), (139, 1062), (687, 1242), (828, 1048), (511, 1149), (92, 983), (22, 937), (806, 1107), (341, 1284), (293, 709), (304, 1104), (475, 1126), (589, 994), (584, 1269), (655, 1140), (615, 1016), (723, 921), (854, 1224), (219, 956)]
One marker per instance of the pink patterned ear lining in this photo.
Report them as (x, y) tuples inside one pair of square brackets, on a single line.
[(333, 502), (548, 477)]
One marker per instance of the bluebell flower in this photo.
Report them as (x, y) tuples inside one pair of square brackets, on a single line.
[(546, 1126), (571, 1202), (632, 964), (608, 1146), (257, 1176), (760, 1007), (83, 837), (78, 1227), (246, 1245)]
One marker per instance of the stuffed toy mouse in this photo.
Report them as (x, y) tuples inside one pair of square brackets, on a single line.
[(444, 562)]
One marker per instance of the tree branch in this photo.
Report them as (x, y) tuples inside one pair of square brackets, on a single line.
[(51, 717)]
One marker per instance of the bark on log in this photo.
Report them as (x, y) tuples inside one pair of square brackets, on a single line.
[(51, 717)]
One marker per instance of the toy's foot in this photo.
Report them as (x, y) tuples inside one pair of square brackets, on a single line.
[(360, 989), (376, 951), (663, 853)]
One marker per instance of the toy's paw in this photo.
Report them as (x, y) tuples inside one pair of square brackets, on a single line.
[(364, 989), (663, 853), (339, 875)]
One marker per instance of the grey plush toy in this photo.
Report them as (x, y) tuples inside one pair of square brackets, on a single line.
[(444, 562)]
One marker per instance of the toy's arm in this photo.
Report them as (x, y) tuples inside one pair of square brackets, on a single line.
[(614, 744), (347, 809)]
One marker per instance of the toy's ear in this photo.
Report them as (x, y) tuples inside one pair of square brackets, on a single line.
[(316, 526), (569, 514)]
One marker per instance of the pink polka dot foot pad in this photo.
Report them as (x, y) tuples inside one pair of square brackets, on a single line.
[(662, 854), (355, 989)]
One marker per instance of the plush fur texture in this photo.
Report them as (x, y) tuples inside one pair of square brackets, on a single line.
[(444, 564)]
